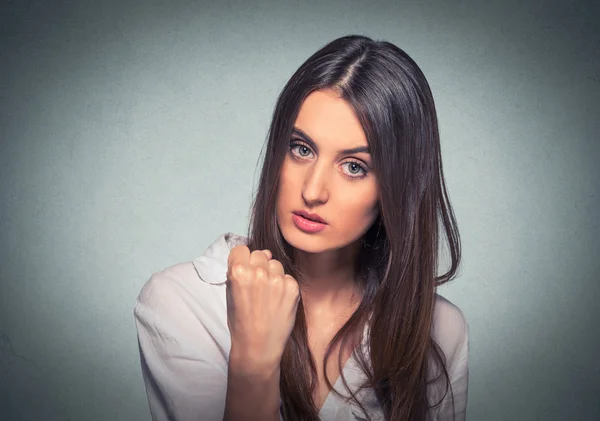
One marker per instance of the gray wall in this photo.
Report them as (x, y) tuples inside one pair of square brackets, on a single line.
[(130, 135)]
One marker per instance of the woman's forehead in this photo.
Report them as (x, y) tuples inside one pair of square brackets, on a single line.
[(330, 121)]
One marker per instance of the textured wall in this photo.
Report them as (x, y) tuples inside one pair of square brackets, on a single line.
[(130, 135)]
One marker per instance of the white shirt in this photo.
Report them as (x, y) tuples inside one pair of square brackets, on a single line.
[(184, 343)]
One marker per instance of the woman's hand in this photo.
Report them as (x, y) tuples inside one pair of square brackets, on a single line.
[(261, 308)]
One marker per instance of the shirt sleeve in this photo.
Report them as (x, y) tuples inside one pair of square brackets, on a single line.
[(184, 347), (184, 369), (458, 372)]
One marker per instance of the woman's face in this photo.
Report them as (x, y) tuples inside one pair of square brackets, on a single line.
[(322, 175)]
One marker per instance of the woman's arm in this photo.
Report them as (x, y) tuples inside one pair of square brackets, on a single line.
[(252, 394), (184, 365), (458, 371)]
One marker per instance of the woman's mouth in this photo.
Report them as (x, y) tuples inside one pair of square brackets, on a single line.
[(307, 225)]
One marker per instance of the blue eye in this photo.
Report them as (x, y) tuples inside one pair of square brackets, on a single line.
[(301, 147), (355, 169)]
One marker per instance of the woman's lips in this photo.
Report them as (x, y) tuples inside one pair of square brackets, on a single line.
[(310, 216), (307, 225)]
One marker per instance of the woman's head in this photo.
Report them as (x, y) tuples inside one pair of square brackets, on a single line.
[(356, 92), (352, 92), (327, 172)]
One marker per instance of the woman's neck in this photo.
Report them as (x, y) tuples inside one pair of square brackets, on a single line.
[(328, 279)]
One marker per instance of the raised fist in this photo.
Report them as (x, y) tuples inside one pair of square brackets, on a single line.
[(261, 306)]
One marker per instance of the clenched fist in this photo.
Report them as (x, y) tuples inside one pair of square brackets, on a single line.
[(261, 306)]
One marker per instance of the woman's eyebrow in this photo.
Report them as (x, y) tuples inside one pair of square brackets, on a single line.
[(311, 142)]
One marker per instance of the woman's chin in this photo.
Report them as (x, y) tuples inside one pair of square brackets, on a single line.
[(306, 242)]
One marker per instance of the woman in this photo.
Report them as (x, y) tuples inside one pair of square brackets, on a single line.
[(327, 309)]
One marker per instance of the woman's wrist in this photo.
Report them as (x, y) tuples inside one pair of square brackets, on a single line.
[(252, 391), (244, 362)]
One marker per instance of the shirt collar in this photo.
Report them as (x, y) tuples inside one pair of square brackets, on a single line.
[(211, 267)]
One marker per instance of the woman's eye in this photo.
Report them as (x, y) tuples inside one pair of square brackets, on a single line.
[(355, 169), (302, 150)]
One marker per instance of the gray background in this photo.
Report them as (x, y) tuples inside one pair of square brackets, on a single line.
[(130, 134)]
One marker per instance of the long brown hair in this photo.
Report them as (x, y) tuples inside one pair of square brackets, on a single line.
[(398, 263)]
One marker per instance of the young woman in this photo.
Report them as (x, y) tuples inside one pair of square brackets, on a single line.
[(327, 309)]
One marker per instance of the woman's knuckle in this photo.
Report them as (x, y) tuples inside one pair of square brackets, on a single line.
[(291, 282), (275, 266), (260, 272), (238, 270)]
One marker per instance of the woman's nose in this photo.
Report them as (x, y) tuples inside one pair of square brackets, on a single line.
[(315, 189)]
